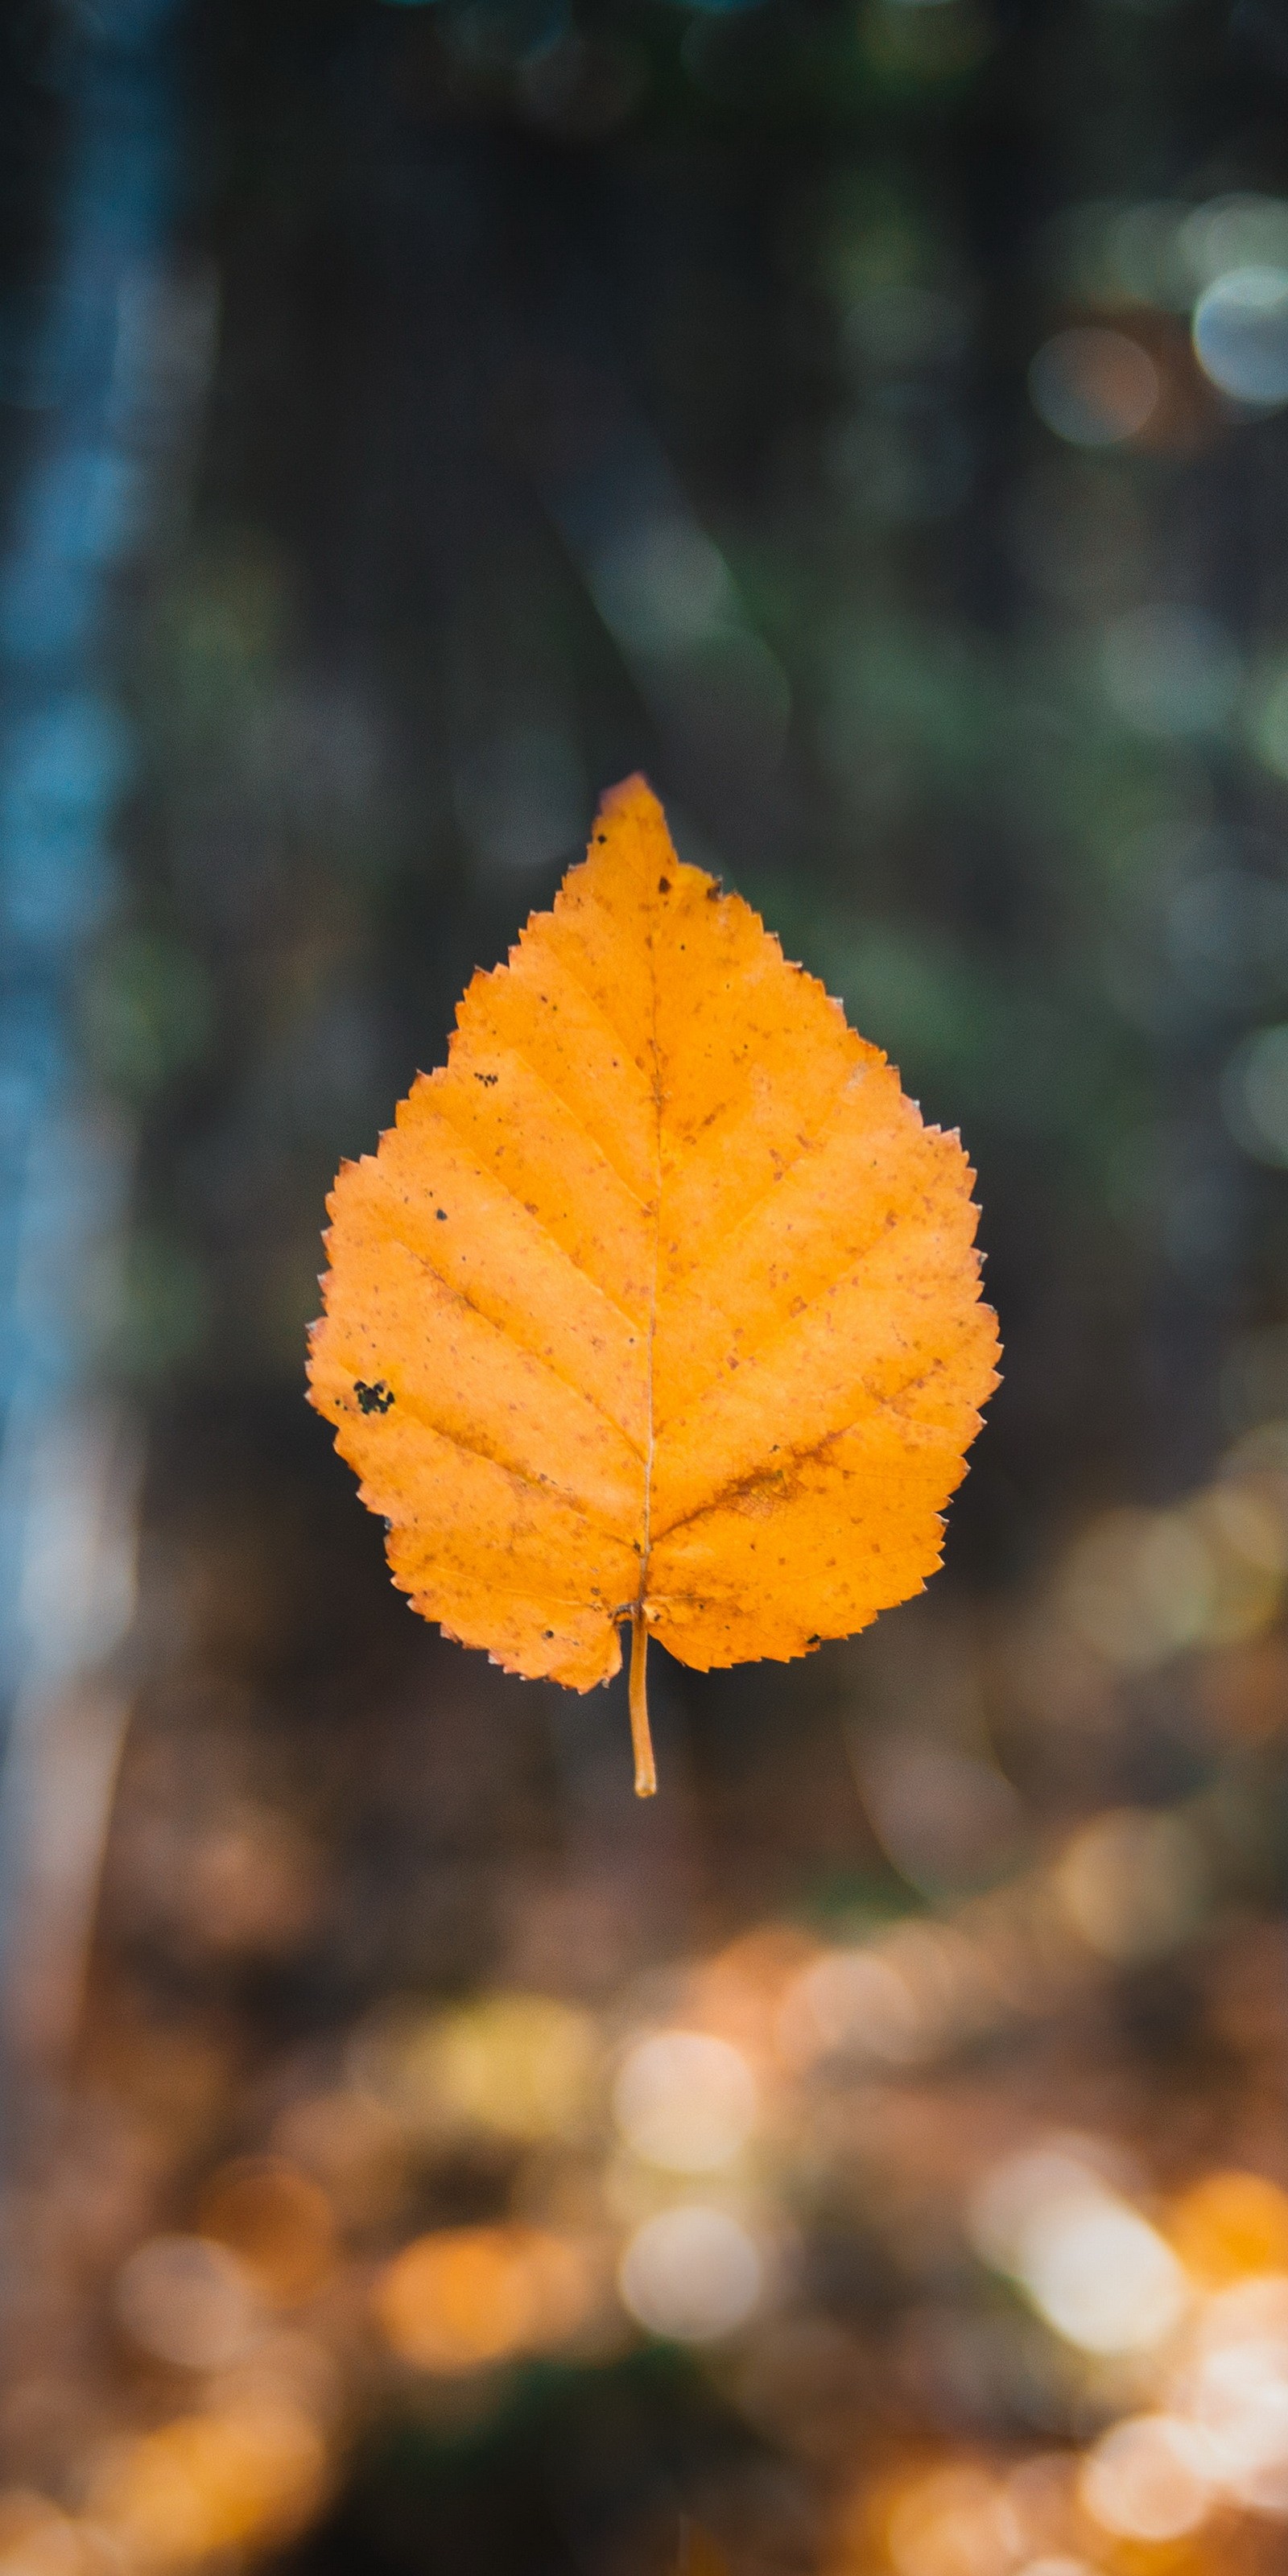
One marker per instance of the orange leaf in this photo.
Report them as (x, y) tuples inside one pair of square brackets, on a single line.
[(659, 1301)]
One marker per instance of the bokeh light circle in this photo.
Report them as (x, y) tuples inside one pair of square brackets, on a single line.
[(1254, 1095), (1170, 671), (685, 2101), (1057, 2567), (1149, 2478), (463, 2297), (1094, 387), (1093, 2267), (187, 2302), (691, 2274), (1241, 335)]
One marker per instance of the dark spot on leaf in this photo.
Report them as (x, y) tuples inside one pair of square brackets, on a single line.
[(489, 1078), (664, 885), (550, 1632), (372, 1399), (441, 1214)]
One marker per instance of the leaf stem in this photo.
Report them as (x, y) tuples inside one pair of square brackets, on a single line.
[(645, 1769)]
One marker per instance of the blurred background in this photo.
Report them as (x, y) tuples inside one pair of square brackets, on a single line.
[(870, 417)]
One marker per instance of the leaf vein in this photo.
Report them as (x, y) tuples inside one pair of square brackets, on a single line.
[(487, 1172), (786, 1325), (790, 1460), (539, 1358), (507, 1046), (753, 1206), (544, 1489), (619, 1035)]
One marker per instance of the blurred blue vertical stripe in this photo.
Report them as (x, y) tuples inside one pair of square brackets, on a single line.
[(65, 757)]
